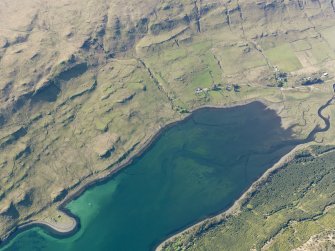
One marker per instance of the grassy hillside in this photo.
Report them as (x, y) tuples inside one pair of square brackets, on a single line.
[(84, 86)]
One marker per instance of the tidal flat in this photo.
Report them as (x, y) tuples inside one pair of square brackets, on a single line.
[(194, 170)]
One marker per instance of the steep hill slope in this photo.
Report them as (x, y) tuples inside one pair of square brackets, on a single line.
[(85, 86)]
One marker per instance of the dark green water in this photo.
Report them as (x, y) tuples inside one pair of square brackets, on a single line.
[(195, 169)]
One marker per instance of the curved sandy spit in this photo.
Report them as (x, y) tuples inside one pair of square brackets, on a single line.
[(104, 176)]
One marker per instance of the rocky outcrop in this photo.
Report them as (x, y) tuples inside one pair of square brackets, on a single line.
[(9, 211), (104, 144), (13, 135)]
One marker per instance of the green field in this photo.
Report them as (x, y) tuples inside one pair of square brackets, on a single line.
[(283, 56)]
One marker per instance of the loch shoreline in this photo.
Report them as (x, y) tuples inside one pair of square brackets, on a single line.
[(245, 196), (103, 177)]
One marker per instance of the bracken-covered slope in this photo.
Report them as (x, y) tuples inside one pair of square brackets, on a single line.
[(85, 85)]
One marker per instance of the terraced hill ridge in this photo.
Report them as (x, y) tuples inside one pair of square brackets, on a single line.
[(86, 85)]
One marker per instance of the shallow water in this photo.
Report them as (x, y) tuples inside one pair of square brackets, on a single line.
[(195, 169)]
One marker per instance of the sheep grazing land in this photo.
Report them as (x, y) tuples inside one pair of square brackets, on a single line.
[(86, 85)]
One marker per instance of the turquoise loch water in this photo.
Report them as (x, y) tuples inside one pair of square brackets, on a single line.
[(194, 169)]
